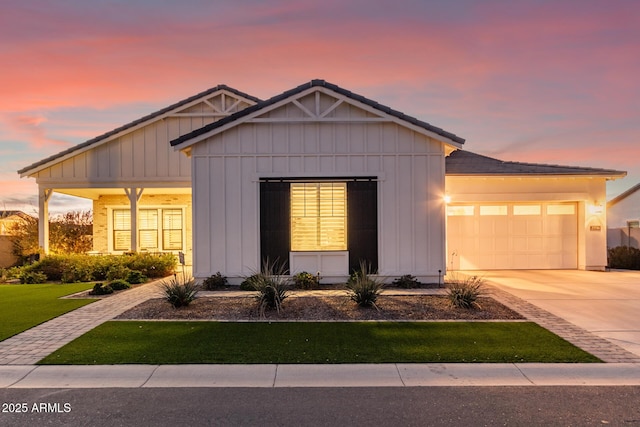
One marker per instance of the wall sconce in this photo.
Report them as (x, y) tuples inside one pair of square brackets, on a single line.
[(596, 209), (447, 198)]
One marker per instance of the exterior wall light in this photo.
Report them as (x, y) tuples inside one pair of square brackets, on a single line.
[(447, 198), (596, 209)]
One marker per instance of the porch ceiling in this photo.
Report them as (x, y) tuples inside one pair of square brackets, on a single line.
[(95, 193)]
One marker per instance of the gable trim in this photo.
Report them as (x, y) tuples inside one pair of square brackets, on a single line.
[(133, 126), (383, 112)]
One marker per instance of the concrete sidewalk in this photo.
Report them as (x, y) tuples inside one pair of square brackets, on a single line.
[(347, 375)]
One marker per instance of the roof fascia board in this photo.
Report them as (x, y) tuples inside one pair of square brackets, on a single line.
[(605, 175)]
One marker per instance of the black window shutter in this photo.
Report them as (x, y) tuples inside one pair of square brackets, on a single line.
[(362, 223), (275, 227)]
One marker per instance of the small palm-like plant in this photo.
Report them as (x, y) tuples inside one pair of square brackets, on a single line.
[(464, 293), (180, 292), (362, 288), (271, 284)]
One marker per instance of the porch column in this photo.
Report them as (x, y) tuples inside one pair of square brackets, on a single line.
[(134, 195), (44, 194)]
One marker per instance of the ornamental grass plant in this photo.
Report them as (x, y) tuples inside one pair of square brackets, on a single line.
[(363, 288), (463, 292)]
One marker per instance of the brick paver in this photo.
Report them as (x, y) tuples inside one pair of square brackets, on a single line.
[(34, 344), (599, 347)]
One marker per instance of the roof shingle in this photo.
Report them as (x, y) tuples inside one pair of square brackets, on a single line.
[(462, 162)]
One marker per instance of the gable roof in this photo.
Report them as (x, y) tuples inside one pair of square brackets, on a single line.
[(623, 195), (467, 163), (147, 118), (315, 83)]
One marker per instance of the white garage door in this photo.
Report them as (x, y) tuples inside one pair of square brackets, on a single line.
[(512, 236)]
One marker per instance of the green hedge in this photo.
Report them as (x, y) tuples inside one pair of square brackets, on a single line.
[(624, 257), (84, 268)]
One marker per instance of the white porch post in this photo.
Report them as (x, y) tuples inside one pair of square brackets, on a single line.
[(44, 194), (134, 195)]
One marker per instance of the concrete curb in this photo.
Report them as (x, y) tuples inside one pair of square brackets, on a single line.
[(344, 375)]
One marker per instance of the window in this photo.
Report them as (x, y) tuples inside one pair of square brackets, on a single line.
[(498, 210), (151, 236), (148, 229), (453, 210), (527, 210), (121, 230), (172, 229), (561, 209), (319, 216)]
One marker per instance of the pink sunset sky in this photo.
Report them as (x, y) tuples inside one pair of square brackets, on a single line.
[(532, 81)]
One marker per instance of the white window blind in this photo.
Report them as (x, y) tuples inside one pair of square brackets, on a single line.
[(319, 216), (151, 236), (121, 230), (148, 229), (172, 229)]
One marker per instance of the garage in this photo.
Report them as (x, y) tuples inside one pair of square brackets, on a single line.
[(495, 235)]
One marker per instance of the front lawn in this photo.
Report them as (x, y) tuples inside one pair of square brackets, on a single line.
[(25, 306), (324, 342)]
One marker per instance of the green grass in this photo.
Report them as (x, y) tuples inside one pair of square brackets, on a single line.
[(25, 306), (343, 342)]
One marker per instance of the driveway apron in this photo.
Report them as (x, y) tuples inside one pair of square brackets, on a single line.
[(577, 305)]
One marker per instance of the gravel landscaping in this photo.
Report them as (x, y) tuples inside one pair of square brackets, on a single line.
[(321, 308)]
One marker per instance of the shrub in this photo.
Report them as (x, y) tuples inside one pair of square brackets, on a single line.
[(217, 281), (179, 293), (153, 266), (52, 266), (79, 270), (117, 271), (135, 277), (407, 282), (32, 277), (362, 288), (272, 286), (247, 283), (101, 289), (119, 285), (305, 280), (464, 293), (84, 268), (624, 257)]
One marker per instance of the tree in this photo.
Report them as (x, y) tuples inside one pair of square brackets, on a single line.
[(71, 232)]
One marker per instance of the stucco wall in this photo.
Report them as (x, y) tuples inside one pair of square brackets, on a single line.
[(7, 259)]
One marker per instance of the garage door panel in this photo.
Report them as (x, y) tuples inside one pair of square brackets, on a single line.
[(535, 236)]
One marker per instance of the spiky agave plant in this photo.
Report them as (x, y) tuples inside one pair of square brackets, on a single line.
[(364, 289), (180, 292), (272, 285), (464, 292)]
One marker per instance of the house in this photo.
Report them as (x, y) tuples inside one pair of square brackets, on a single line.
[(320, 179), (623, 219), (8, 219)]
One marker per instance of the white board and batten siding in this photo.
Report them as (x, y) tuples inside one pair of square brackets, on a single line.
[(140, 155), (409, 167)]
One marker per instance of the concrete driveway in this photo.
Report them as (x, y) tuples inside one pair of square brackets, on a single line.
[(604, 303)]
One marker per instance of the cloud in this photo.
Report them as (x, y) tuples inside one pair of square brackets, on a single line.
[(31, 129)]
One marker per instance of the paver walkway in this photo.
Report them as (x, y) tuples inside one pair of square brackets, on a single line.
[(33, 344), (30, 346)]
